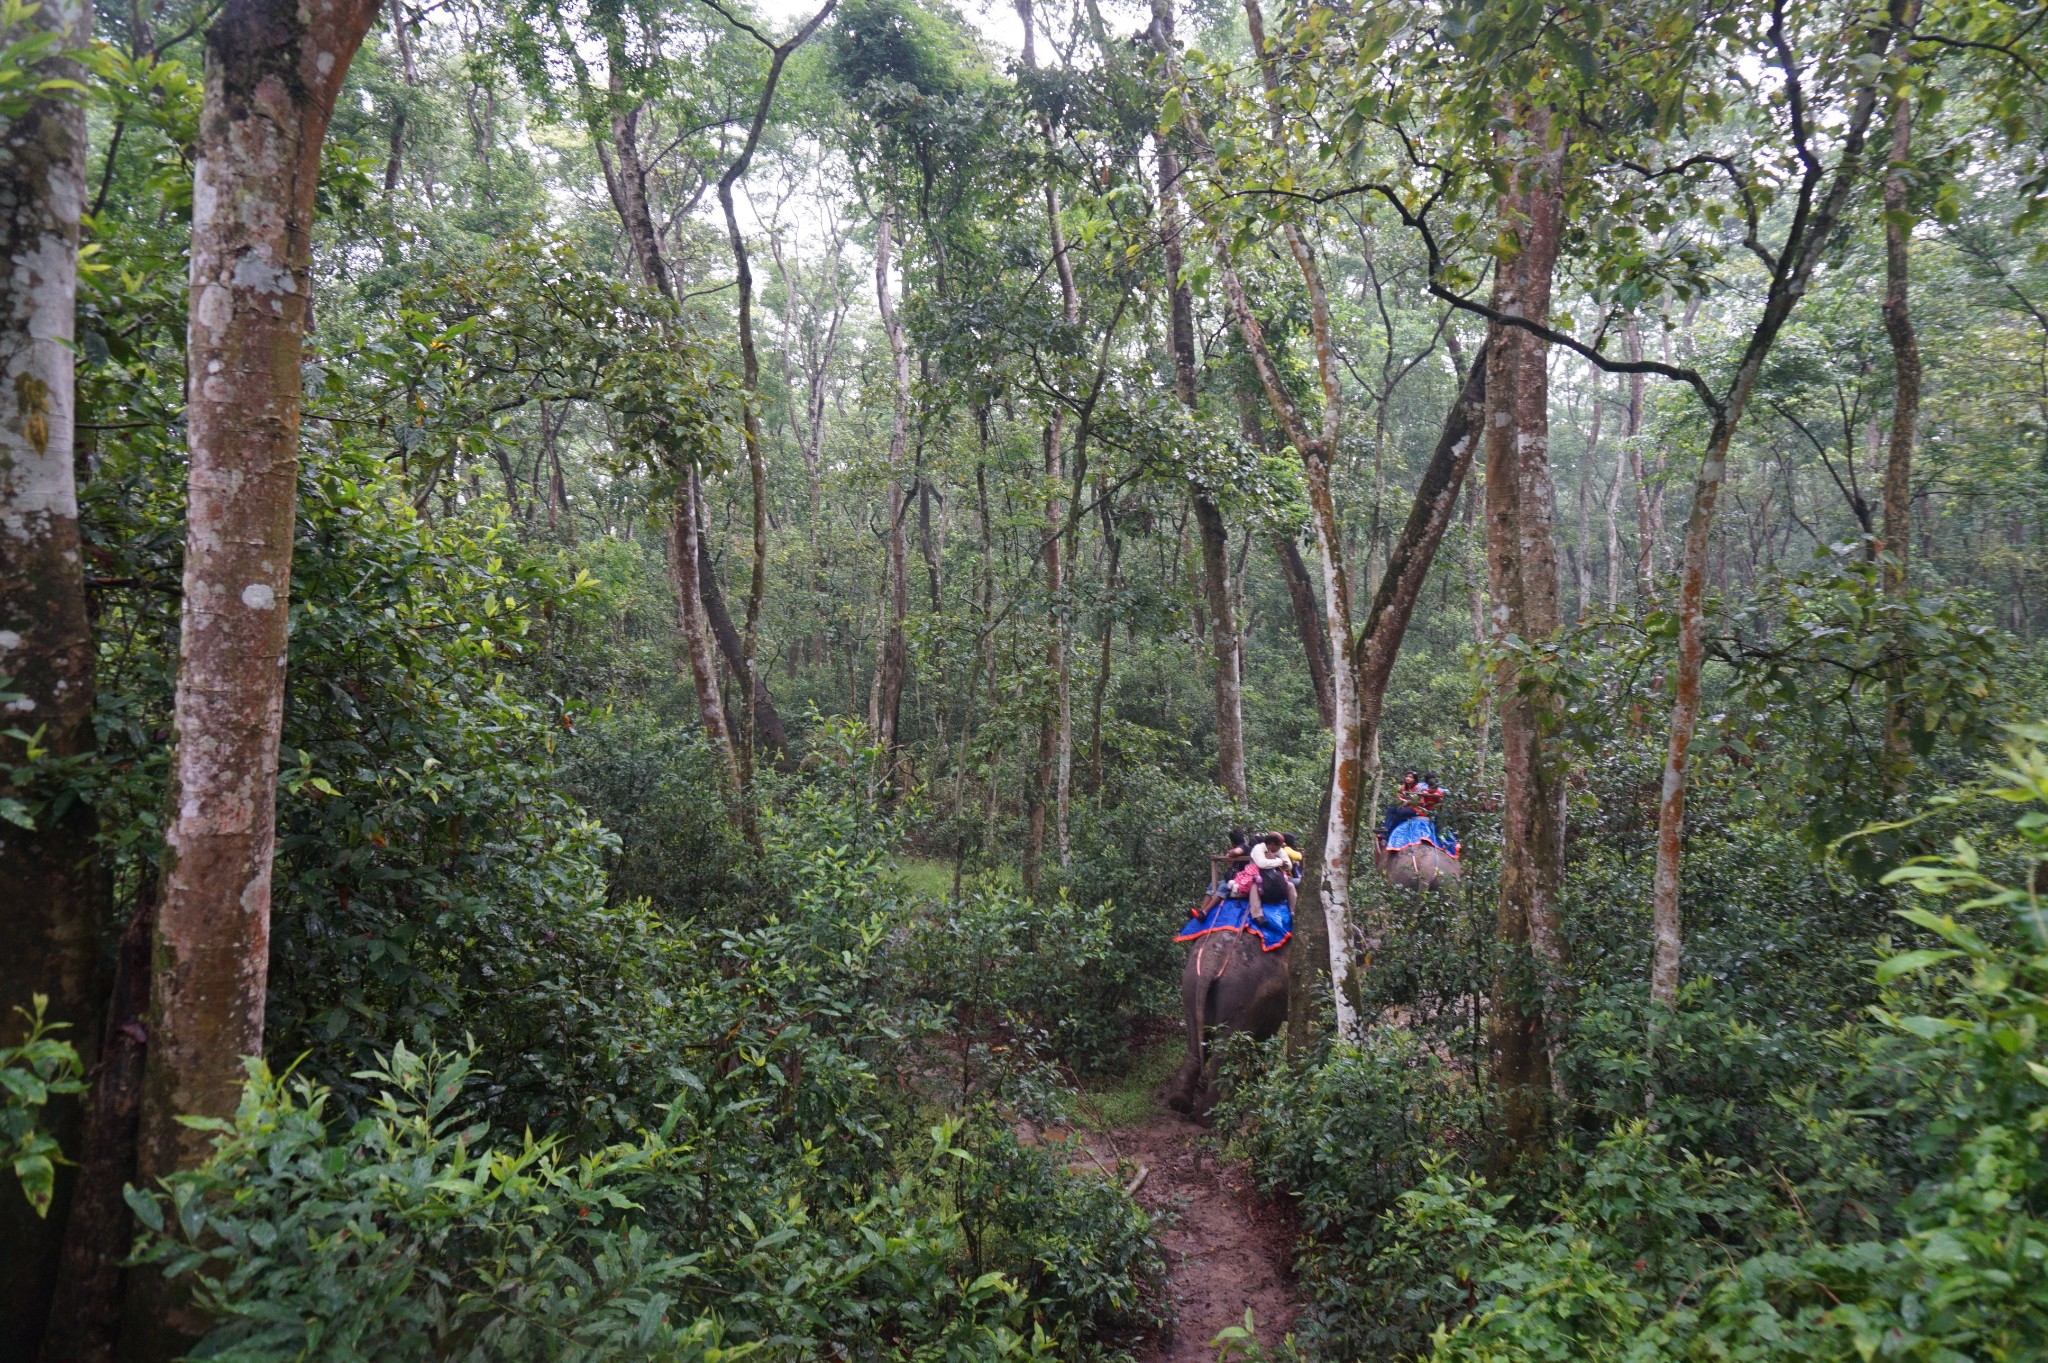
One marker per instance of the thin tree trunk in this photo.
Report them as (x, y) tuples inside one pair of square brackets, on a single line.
[(1301, 590), (1333, 884), (49, 928), (1482, 741), (629, 196), (85, 1318), (726, 635), (929, 547), (1223, 640), (1315, 643), (1649, 520), (1583, 567), (1223, 645), (689, 571), (1806, 240), (1522, 581), (1612, 506), (744, 667), (1898, 469), (1112, 546), (627, 182), (273, 69), (894, 661)]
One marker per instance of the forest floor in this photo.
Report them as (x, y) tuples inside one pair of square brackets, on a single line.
[(1227, 1248)]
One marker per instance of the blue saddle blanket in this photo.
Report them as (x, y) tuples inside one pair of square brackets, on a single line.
[(1411, 831), (1234, 915)]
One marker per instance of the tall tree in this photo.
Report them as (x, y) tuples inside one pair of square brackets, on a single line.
[(1822, 193), (1521, 560), (750, 367), (1180, 329), (893, 666), (1360, 664), (1897, 528), (614, 119), (273, 68), (49, 930), (1054, 786)]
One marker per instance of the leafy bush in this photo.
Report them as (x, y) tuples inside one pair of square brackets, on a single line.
[(409, 1236), (1664, 1254), (1348, 1131)]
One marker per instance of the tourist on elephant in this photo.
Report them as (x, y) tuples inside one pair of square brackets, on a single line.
[(1407, 804), (1267, 875), (1223, 866)]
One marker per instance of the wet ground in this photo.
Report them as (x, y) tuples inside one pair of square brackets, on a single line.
[(1227, 1249)]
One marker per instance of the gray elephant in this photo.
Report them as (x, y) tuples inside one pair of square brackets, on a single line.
[(1231, 983), (1419, 866)]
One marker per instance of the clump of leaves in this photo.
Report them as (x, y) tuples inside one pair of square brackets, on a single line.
[(36, 1069)]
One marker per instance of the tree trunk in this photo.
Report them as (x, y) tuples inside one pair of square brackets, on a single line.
[(1649, 520), (85, 1318), (689, 570), (49, 930), (928, 546), (1613, 505), (1801, 252), (744, 667), (1301, 590), (273, 70), (757, 464), (1898, 468), (1112, 546), (1522, 581), (894, 661), (629, 196), (894, 665), (1582, 567), (628, 185), (727, 637), (1180, 320), (1223, 644), (1056, 746)]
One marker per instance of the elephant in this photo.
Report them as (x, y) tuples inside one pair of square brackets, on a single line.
[(1419, 866), (1231, 983)]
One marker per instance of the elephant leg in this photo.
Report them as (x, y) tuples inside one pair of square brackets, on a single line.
[(1184, 1089)]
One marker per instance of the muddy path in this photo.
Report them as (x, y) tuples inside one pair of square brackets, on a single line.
[(1227, 1249)]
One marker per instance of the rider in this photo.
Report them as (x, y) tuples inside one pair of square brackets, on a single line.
[(1228, 862), (1408, 804), (1269, 861)]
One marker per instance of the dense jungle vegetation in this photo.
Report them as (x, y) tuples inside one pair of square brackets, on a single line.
[(625, 627)]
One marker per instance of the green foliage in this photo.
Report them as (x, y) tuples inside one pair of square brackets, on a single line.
[(34, 1070), (1812, 660), (1348, 1131), (1055, 976), (406, 1236)]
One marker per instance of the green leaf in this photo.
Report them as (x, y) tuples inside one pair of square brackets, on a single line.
[(1909, 962)]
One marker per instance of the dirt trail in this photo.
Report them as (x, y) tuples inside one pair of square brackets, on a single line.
[(1226, 1248)]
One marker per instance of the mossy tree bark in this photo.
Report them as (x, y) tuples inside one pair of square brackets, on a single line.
[(48, 880)]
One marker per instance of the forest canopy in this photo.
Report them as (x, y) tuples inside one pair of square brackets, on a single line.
[(628, 632)]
